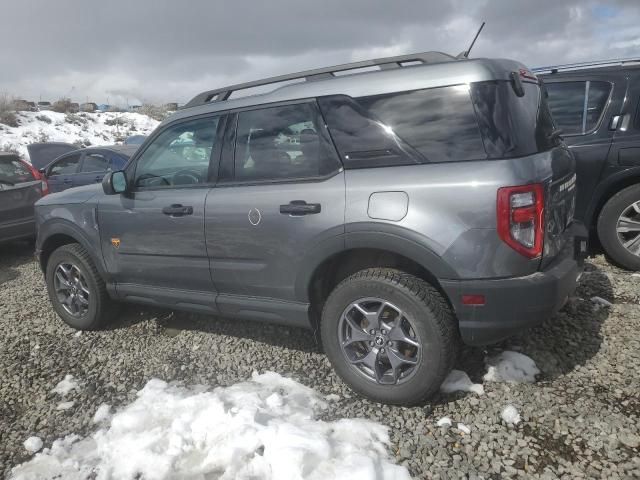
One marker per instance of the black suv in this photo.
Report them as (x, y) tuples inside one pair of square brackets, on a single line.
[(596, 105)]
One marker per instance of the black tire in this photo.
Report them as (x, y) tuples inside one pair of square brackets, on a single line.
[(608, 222), (432, 321), (100, 309)]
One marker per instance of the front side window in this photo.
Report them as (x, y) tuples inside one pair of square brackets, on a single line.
[(282, 143), (94, 162), (179, 156), (577, 106), (66, 165)]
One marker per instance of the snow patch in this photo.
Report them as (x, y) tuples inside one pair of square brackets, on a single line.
[(78, 333), (86, 128), (444, 422), (102, 413), (65, 386), (463, 428), (65, 405), (332, 397), (510, 415), (263, 428), (459, 381), (32, 444), (510, 367)]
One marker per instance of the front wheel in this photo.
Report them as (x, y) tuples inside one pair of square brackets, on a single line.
[(389, 335), (76, 290), (619, 227)]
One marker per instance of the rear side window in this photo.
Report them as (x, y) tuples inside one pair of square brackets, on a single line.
[(66, 165), (283, 143), (513, 126), (14, 171), (439, 122), (577, 107)]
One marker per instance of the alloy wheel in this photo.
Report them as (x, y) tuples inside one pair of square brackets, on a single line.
[(71, 289), (379, 341), (628, 228)]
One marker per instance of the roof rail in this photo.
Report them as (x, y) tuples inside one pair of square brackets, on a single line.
[(584, 65), (222, 94)]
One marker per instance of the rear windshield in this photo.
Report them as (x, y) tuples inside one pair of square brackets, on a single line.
[(513, 126), (445, 124), (13, 170)]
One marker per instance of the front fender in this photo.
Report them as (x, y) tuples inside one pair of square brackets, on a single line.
[(50, 230)]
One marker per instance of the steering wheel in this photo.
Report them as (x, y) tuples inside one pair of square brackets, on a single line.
[(155, 180), (186, 177)]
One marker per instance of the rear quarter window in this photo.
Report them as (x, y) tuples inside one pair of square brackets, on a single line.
[(577, 107), (429, 125)]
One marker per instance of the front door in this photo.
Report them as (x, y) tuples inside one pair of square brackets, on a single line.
[(153, 238), (61, 173), (281, 194)]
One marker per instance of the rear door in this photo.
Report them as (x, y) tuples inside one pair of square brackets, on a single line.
[(583, 107), (19, 190), (281, 193), (62, 172)]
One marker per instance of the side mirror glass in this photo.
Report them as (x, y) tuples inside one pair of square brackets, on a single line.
[(114, 183)]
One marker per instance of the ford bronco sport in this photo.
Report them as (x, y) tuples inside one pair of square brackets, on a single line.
[(597, 107), (395, 206)]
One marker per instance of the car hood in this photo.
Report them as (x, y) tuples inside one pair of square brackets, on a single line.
[(72, 195), (42, 154)]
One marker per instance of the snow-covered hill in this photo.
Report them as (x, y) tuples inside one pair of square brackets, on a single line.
[(83, 129)]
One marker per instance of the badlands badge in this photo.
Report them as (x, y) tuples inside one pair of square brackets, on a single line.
[(115, 242)]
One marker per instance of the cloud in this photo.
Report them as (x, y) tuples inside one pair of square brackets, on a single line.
[(162, 50)]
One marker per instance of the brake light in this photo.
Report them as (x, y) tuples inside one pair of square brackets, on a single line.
[(44, 185), (520, 218)]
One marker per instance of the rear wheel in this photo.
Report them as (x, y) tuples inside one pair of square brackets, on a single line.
[(76, 290), (619, 227), (389, 335)]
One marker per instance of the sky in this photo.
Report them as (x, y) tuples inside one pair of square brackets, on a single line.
[(154, 51)]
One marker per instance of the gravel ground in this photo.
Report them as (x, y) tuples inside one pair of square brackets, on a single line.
[(580, 420)]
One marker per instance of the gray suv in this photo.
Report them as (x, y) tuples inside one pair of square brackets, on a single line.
[(396, 207)]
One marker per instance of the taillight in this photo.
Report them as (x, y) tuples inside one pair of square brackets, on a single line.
[(44, 185), (520, 218)]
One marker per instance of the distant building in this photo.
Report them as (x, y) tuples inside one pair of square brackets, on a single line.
[(103, 107), (74, 107), (21, 105), (171, 106), (44, 105), (88, 107)]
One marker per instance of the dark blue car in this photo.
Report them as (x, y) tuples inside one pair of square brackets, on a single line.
[(79, 166)]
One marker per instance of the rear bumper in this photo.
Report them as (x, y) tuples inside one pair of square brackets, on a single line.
[(513, 304)]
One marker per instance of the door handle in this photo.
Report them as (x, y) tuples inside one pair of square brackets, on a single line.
[(98, 178), (66, 180), (297, 208), (177, 210), (615, 122)]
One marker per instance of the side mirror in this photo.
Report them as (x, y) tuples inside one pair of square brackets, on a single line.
[(114, 183)]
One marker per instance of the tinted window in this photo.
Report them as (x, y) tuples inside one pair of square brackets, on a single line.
[(66, 165), (597, 96), (513, 126), (94, 162), (180, 155), (361, 140), (282, 143), (439, 122), (14, 171), (567, 103)]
